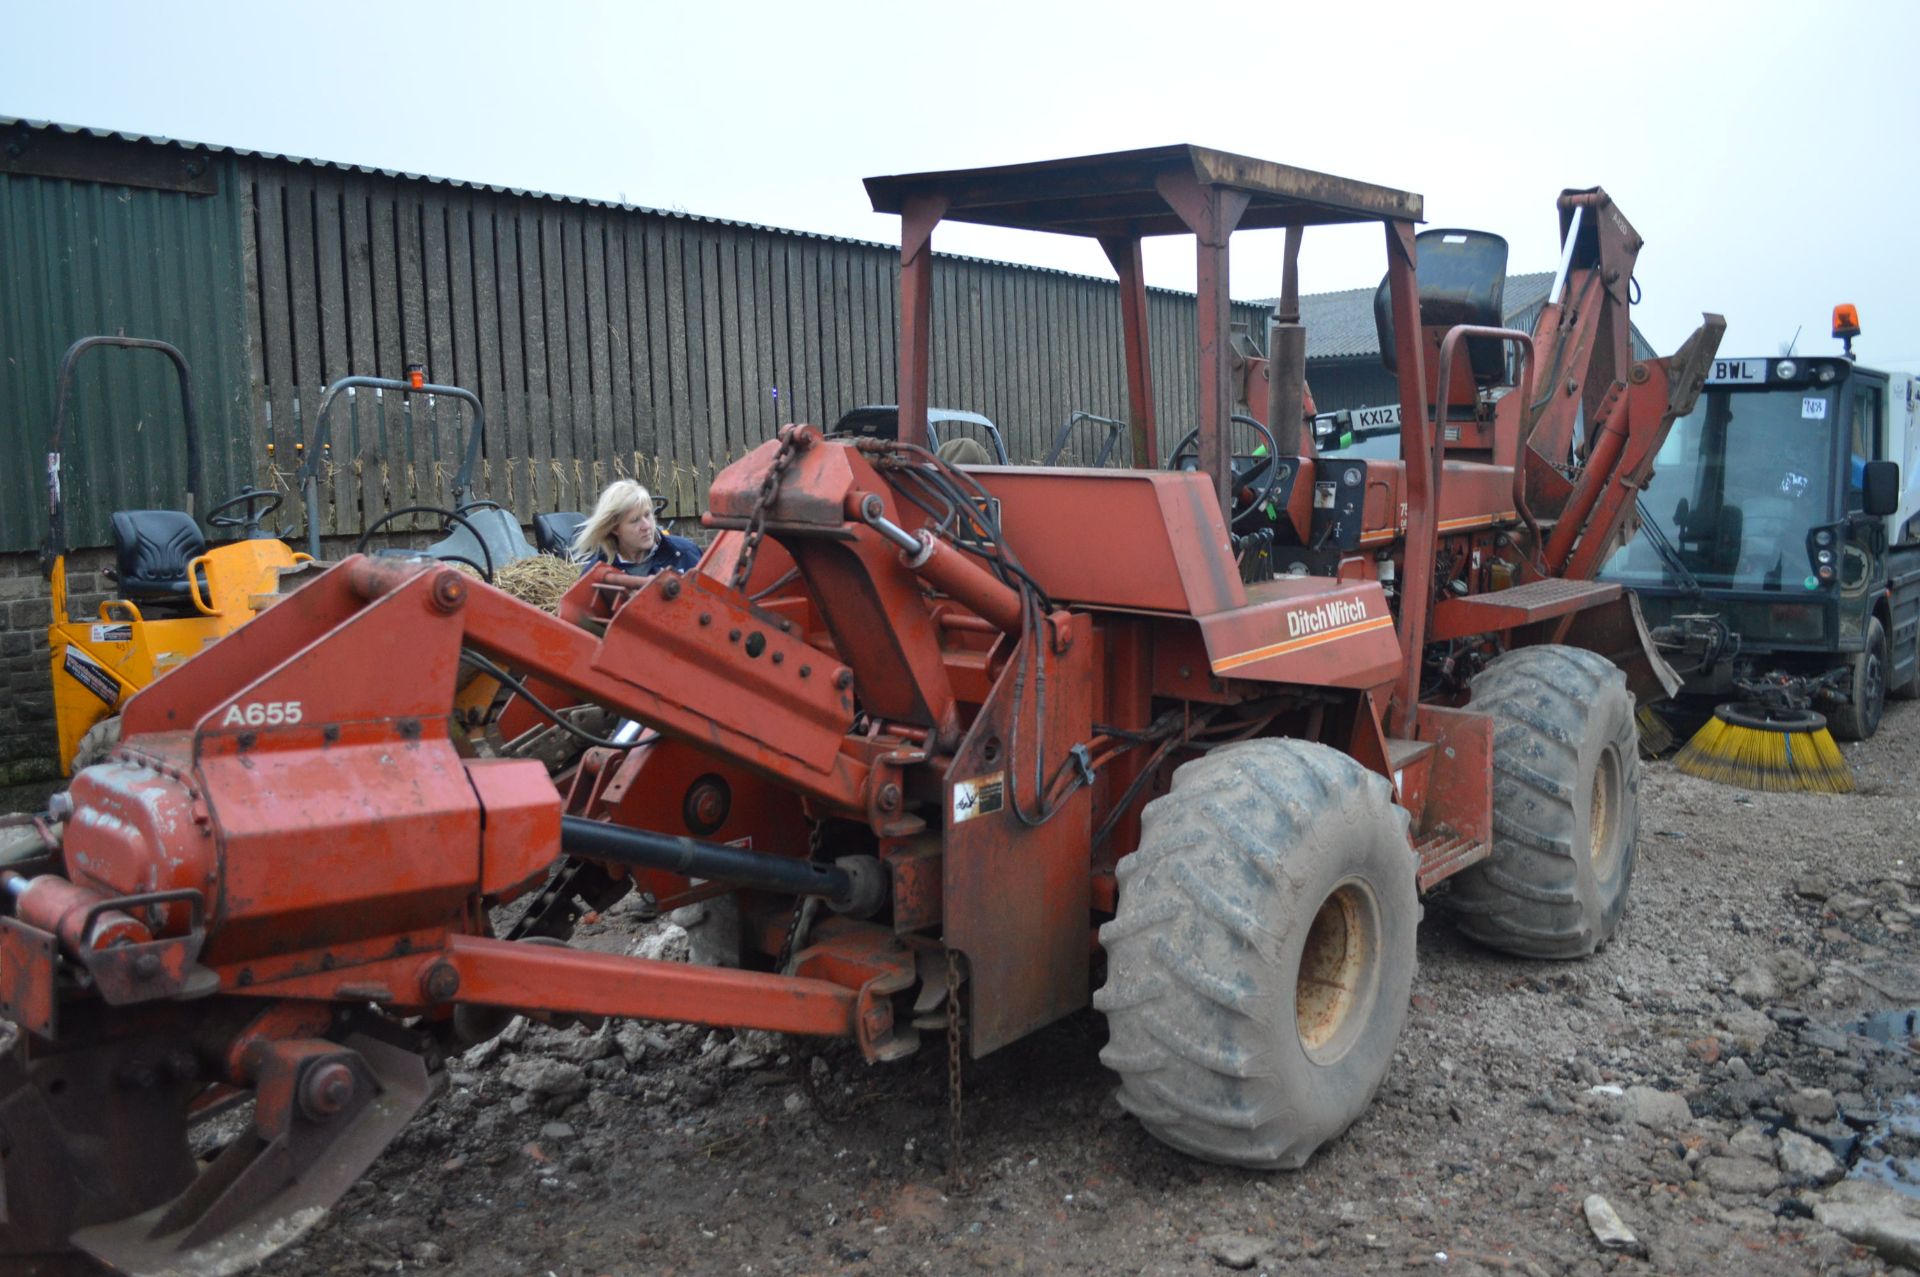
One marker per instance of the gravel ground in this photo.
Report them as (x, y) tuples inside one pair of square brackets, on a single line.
[(1742, 1044), (1706, 1075)]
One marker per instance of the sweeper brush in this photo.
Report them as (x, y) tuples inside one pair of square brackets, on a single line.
[(1656, 738), (1771, 750)]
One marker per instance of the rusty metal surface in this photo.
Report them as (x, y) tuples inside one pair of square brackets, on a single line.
[(915, 869), (698, 638), (1117, 193), (1307, 630), (274, 1182), (1443, 855), (1418, 500), (1456, 827), (1163, 542), (858, 691), (1657, 393), (1501, 610), (27, 957), (90, 1135), (1124, 252), (508, 974), (1017, 896)]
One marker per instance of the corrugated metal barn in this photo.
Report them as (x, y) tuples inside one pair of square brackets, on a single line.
[(602, 339), (1343, 347)]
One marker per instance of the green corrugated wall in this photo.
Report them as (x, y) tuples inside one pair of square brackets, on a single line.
[(78, 258)]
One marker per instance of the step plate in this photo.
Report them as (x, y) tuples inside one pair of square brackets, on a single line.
[(1443, 855), (1521, 605)]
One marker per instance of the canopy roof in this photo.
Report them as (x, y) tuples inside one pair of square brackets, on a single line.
[(1119, 193)]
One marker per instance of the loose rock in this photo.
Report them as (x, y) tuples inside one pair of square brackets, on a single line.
[(1608, 1228), (1659, 1110), (1779, 973), (1805, 1163), (542, 1075), (1233, 1250), (1874, 1216), (666, 943), (1739, 1175)]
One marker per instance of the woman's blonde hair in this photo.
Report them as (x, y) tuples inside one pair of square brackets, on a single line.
[(616, 502)]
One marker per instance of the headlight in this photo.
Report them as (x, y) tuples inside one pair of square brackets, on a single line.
[(1824, 537), (1786, 368), (1826, 373), (1825, 556)]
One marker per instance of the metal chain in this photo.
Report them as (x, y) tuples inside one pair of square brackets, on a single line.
[(790, 438), (957, 1181), (815, 837)]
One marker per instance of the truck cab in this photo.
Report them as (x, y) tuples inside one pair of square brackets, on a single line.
[(1785, 508)]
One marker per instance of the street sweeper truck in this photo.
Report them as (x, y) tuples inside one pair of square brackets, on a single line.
[(1778, 562)]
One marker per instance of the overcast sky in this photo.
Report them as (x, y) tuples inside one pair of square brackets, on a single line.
[(1768, 153)]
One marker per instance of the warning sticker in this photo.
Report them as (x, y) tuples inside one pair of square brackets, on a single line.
[(92, 675), (981, 796), (119, 633)]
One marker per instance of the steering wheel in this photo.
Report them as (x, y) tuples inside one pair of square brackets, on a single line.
[(245, 500), (486, 573), (1248, 469)]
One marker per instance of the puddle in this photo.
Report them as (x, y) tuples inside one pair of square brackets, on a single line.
[(1891, 1027), (1894, 1133)]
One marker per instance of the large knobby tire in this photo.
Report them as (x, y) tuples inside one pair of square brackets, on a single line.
[(99, 741), (1859, 717), (1259, 965), (1566, 805)]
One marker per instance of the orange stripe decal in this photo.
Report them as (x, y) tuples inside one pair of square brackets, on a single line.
[(1381, 536), (1239, 659)]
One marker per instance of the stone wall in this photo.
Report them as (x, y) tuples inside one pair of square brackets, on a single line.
[(27, 743)]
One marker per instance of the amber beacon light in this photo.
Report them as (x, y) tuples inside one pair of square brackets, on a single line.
[(1846, 325)]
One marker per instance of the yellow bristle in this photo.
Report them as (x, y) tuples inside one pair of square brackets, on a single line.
[(1770, 761)]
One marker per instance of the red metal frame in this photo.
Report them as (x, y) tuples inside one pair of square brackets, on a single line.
[(987, 720)]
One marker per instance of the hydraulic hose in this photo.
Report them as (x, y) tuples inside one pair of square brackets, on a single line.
[(644, 849)]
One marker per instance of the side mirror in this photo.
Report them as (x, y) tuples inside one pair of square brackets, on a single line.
[(1880, 488)]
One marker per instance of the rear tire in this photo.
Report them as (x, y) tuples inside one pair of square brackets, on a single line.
[(1566, 805), (1261, 959), (1859, 717)]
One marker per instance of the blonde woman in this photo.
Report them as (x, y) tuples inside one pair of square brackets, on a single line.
[(622, 532)]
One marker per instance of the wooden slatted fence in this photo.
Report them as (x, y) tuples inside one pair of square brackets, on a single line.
[(608, 341)]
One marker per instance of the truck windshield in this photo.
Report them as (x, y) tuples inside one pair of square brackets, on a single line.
[(1739, 484)]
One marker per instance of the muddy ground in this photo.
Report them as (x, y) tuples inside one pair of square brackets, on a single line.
[(1705, 1074), (1710, 1075)]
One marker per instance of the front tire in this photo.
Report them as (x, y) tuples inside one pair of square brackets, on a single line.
[(1859, 717), (1566, 805), (1263, 952)]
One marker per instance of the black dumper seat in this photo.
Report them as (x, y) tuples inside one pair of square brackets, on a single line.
[(151, 550)]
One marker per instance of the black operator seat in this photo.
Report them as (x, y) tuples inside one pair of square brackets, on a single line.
[(1463, 280), (151, 551), (554, 533)]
